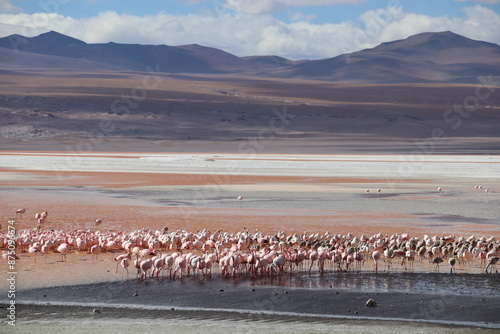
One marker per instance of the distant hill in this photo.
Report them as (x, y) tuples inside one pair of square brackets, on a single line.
[(426, 57), (136, 57)]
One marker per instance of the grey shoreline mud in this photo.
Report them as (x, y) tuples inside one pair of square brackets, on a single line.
[(246, 298)]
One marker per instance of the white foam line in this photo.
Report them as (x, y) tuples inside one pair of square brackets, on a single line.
[(255, 312)]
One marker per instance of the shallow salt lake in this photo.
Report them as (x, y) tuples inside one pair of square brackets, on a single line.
[(293, 193)]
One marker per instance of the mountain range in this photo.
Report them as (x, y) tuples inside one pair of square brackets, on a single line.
[(440, 57)]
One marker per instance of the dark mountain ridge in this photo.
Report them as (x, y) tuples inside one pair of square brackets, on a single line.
[(425, 57)]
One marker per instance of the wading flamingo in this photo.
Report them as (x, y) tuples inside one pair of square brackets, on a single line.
[(491, 262), (95, 250), (376, 257), (63, 249), (20, 211), (452, 261)]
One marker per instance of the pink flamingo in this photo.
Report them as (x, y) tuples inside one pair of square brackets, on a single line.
[(313, 256), (63, 249), (145, 266), (125, 262), (95, 250), (44, 250), (279, 263), (180, 265), (376, 257), (120, 258), (158, 265), (33, 249), (169, 263)]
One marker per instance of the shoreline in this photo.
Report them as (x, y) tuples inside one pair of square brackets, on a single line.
[(40, 310), (255, 298)]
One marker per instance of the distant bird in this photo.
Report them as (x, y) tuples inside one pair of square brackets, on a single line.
[(20, 211), (437, 261), (367, 191), (452, 261), (240, 198), (97, 222), (491, 262), (440, 189), (376, 257)]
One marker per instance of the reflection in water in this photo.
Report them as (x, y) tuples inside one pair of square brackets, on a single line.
[(389, 282)]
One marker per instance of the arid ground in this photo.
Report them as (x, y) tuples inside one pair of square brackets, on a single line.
[(153, 112)]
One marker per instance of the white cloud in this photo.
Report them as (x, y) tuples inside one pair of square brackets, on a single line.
[(268, 6), (244, 34), (6, 6), (299, 16), (489, 2)]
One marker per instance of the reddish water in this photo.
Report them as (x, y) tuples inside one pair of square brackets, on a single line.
[(71, 206)]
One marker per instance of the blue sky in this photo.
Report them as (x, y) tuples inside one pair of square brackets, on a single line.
[(349, 10), (323, 28)]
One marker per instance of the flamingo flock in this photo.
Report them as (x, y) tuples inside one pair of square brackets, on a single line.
[(177, 254)]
